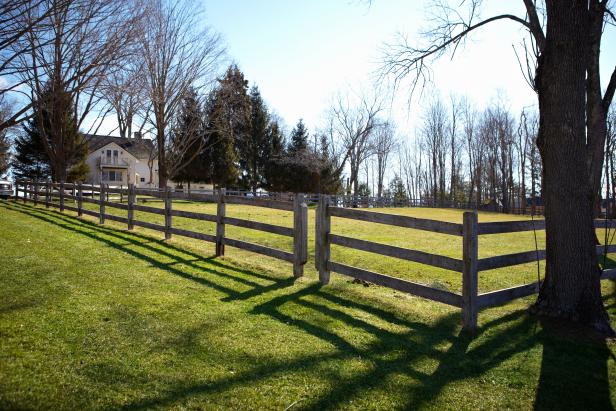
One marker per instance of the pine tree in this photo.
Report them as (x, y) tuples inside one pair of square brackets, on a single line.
[(193, 167), (299, 138), (30, 161), (228, 123), (254, 149), (55, 127)]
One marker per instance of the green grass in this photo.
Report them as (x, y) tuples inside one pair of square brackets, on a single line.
[(95, 317)]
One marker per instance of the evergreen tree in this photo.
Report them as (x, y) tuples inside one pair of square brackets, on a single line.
[(55, 127), (255, 148), (30, 161), (190, 123), (397, 189), (4, 152), (228, 123), (299, 138)]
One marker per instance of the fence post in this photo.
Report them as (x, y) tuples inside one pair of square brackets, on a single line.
[(469, 275), (35, 192), (322, 249), (101, 201), (167, 213), (47, 194), (300, 234), (62, 195), (16, 189), (24, 186), (80, 200), (220, 224), (131, 203), (121, 193)]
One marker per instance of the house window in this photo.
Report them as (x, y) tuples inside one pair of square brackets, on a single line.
[(142, 179), (112, 175)]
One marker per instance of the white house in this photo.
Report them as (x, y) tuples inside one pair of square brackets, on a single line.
[(121, 161)]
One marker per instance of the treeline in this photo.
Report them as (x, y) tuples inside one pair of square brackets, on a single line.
[(241, 144), (473, 157)]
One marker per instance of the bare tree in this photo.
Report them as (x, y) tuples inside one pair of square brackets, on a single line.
[(178, 56), (434, 139), (565, 42), (124, 89), (384, 143), (352, 125), (74, 42), (73, 45)]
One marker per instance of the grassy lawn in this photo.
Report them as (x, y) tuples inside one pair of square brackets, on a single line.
[(95, 317)]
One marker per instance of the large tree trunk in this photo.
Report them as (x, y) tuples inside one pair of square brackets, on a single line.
[(571, 289)]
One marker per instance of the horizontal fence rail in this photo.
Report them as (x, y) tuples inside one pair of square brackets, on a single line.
[(470, 301), (56, 195)]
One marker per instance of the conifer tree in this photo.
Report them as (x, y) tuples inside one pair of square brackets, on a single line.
[(299, 138), (228, 123), (254, 149), (30, 161), (55, 128), (190, 128)]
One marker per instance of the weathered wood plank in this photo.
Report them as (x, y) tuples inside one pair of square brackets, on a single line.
[(168, 216), (422, 257), (220, 223), (260, 249), (254, 225), (151, 226), (397, 220), (116, 205), (300, 234), (193, 215), (88, 212), (131, 206), (510, 226), (260, 202), (148, 209), (115, 190), (470, 278), (608, 274), (198, 197), (116, 218), (193, 234), (605, 224), (491, 263), (419, 290), (322, 245), (508, 294)]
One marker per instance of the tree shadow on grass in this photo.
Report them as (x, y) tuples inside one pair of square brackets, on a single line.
[(162, 255), (572, 375)]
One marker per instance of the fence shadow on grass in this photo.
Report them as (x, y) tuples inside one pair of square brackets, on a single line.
[(458, 357)]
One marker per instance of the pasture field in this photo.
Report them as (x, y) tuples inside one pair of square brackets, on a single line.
[(96, 317)]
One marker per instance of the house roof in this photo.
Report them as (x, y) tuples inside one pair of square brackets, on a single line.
[(138, 147)]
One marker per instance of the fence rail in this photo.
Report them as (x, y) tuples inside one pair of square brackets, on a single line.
[(470, 301), (100, 195)]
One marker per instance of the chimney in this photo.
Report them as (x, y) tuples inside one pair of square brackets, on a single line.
[(137, 135)]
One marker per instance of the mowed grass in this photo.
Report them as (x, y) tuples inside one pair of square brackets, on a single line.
[(96, 317)]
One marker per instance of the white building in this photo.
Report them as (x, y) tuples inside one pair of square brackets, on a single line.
[(121, 161)]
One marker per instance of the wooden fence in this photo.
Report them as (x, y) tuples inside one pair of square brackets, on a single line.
[(470, 301), (82, 193)]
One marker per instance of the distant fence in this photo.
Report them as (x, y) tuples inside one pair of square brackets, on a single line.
[(470, 301), (86, 193)]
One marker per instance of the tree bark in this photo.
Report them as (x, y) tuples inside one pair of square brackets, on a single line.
[(571, 289)]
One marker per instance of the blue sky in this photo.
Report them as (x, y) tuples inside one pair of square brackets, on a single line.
[(300, 53)]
